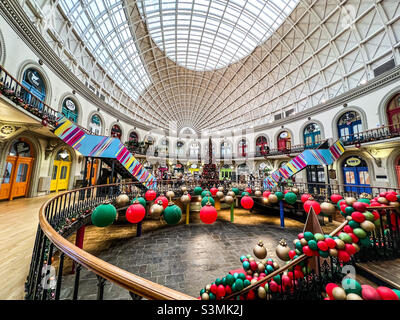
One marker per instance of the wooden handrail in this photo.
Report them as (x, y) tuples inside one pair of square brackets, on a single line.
[(122, 278)]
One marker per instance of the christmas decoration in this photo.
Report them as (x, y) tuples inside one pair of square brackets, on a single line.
[(247, 202), (135, 212), (104, 215), (207, 200), (164, 201), (122, 200), (282, 250), (150, 195), (141, 200), (208, 214), (260, 251), (172, 214)]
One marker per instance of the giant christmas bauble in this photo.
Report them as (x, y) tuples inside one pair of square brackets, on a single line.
[(172, 214), (279, 195), (135, 213), (170, 194), (150, 195), (104, 215), (231, 194), (328, 208), (156, 210), (312, 204), (282, 250), (229, 199), (122, 200), (208, 214), (247, 202), (207, 200), (220, 195), (336, 197), (305, 197), (236, 191), (164, 201), (185, 199), (258, 193), (273, 199), (291, 197), (213, 191), (205, 193), (260, 251), (198, 191)]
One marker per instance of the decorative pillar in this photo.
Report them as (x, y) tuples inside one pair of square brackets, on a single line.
[(80, 235)]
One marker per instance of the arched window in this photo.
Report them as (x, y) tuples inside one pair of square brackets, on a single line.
[(312, 135), (349, 126), (262, 148), (133, 136), (226, 149), (393, 114), (242, 148), (21, 148), (33, 82), (116, 131), (194, 150), (95, 124), (284, 141), (180, 148), (70, 110)]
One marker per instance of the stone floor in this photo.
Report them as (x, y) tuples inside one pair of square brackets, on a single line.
[(183, 257)]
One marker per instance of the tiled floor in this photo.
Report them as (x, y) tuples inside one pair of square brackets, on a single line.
[(184, 257)]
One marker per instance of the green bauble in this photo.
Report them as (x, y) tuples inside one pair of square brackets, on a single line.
[(349, 210), (366, 242), (246, 283), (205, 200), (354, 224), (277, 279), (218, 281), (141, 200), (309, 236), (345, 237), (212, 296), (104, 215), (313, 245), (205, 193), (323, 254), (351, 286), (172, 214), (360, 233), (198, 191), (279, 195), (236, 191), (242, 276), (365, 200), (245, 194), (230, 279), (239, 284), (369, 216), (319, 237), (291, 197), (299, 246)]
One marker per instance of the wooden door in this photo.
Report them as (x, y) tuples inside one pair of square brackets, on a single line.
[(22, 175), (6, 186), (60, 175), (94, 172), (54, 176)]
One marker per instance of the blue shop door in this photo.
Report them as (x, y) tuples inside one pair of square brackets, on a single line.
[(356, 179), (27, 95)]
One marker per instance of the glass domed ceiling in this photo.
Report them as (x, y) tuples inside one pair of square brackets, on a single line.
[(211, 34)]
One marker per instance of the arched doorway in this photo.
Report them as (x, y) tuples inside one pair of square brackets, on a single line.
[(35, 85), (242, 148), (284, 141), (262, 148), (349, 126), (226, 150), (116, 131), (312, 136), (18, 170), (393, 114), (61, 171), (70, 110), (356, 175), (225, 173)]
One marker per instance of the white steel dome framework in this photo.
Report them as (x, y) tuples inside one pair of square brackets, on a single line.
[(214, 64)]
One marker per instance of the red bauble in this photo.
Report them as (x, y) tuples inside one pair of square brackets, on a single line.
[(350, 249), (322, 245), (358, 217), (391, 197), (251, 295), (312, 204), (214, 288), (387, 294), (376, 214), (354, 238), (307, 251), (247, 202), (329, 287), (266, 194), (305, 197), (248, 190), (208, 214), (135, 213), (213, 191), (164, 201), (150, 195), (336, 197), (221, 291), (273, 286), (343, 256), (361, 206), (228, 290), (330, 242), (292, 253), (348, 229), (253, 265)]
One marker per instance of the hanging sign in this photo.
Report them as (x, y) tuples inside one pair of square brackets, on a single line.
[(353, 162)]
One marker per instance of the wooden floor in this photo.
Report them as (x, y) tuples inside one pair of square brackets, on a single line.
[(387, 271), (18, 225)]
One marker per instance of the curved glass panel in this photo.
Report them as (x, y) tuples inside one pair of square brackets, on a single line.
[(104, 28), (211, 34)]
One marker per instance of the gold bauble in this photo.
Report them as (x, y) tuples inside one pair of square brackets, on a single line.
[(295, 190), (349, 218), (328, 208), (264, 262), (259, 250), (395, 204), (231, 194), (353, 296), (184, 189), (339, 294), (205, 296), (355, 245), (383, 200), (282, 250), (185, 199), (229, 199), (221, 189), (256, 275), (340, 244), (273, 199), (303, 242), (295, 241), (208, 288), (266, 201), (350, 200), (156, 210), (262, 294), (367, 226), (122, 200), (258, 193), (261, 267), (170, 194), (251, 259), (365, 195), (253, 281), (275, 265), (333, 252), (220, 195)]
